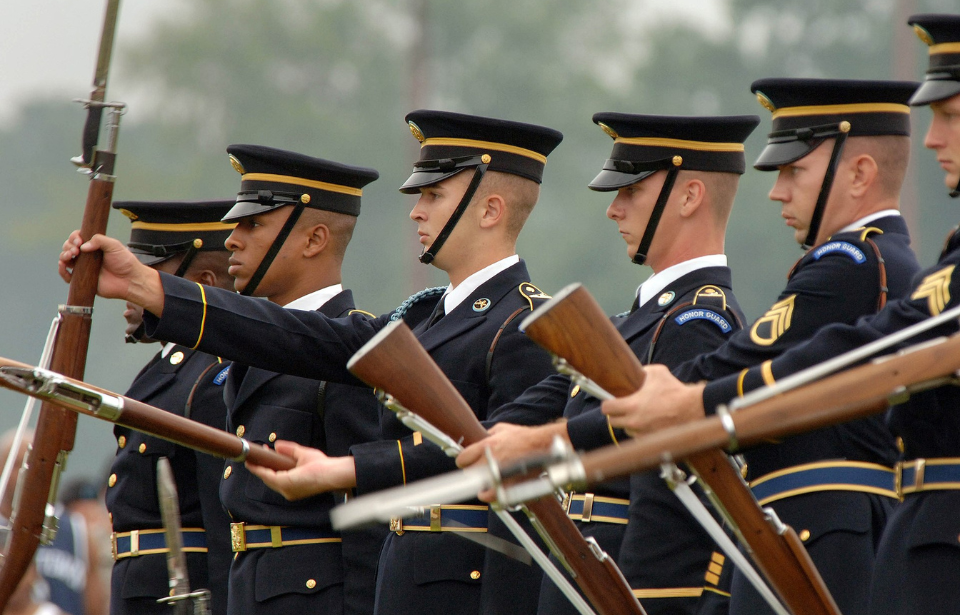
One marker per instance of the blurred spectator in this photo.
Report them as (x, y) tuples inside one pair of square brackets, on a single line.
[(25, 602)]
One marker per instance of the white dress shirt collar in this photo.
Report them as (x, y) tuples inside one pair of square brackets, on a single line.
[(314, 301), (454, 297), (655, 284), (868, 219)]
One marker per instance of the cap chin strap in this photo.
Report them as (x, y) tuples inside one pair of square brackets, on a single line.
[(271, 254), (191, 253), (640, 257), (843, 128), (427, 255)]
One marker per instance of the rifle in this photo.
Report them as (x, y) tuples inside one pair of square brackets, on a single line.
[(574, 327), (395, 361), (74, 397), (32, 516)]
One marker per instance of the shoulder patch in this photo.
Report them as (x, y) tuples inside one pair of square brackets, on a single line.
[(697, 313), (531, 292), (711, 295), (426, 293), (935, 288), (220, 378), (774, 323), (364, 312), (842, 247)]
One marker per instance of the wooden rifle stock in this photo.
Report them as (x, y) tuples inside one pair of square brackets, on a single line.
[(574, 327), (395, 362), (142, 417)]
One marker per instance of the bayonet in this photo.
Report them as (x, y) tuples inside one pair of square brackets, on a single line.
[(180, 598)]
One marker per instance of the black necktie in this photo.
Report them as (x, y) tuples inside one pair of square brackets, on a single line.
[(438, 313)]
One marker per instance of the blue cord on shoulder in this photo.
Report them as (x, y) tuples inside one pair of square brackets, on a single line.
[(426, 293)]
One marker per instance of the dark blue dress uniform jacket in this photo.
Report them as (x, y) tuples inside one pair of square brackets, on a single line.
[(183, 376), (663, 547), (419, 571), (918, 561), (266, 406), (836, 282)]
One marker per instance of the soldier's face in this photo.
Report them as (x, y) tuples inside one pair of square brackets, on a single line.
[(248, 244), (943, 137), (435, 206), (631, 210), (797, 188)]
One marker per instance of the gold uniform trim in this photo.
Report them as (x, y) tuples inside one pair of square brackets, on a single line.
[(743, 374), (187, 227), (613, 435), (299, 181), (838, 109), (669, 592), (499, 147), (945, 48), (203, 319), (702, 146), (403, 467), (766, 372)]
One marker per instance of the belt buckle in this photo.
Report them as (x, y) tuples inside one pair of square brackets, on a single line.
[(396, 525), (238, 537), (898, 480), (587, 514), (113, 545), (565, 503), (435, 524)]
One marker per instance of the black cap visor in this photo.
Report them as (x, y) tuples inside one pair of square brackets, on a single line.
[(935, 90), (150, 259), (421, 178), (244, 209), (609, 180), (777, 154)]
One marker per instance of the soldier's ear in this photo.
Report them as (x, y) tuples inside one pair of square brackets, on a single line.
[(318, 238), (864, 172), (692, 194), (493, 210)]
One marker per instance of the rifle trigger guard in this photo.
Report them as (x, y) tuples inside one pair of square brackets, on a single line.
[(726, 420), (75, 310)]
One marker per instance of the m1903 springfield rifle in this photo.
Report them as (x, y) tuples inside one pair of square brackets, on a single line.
[(588, 347), (396, 363), (74, 397), (32, 517)]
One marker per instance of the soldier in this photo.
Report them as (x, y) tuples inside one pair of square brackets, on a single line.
[(289, 249), (183, 239), (478, 180), (841, 148)]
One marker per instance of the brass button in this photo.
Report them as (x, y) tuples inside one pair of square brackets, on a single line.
[(142, 448), (311, 583), (240, 431), (112, 480), (900, 444), (475, 575), (272, 437), (575, 390), (122, 441), (228, 472), (744, 471), (804, 535)]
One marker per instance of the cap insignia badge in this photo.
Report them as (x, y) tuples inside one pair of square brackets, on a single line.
[(129, 214), (416, 132), (764, 100), (236, 165), (922, 34), (610, 131)]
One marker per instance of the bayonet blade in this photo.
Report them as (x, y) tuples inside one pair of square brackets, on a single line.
[(170, 513), (106, 50)]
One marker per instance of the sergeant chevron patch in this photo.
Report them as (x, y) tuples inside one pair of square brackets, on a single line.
[(935, 288), (774, 323)]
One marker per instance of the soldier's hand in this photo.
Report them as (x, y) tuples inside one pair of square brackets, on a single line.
[(661, 402), (122, 276), (314, 473), (508, 442)]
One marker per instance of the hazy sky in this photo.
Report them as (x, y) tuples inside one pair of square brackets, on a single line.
[(49, 46)]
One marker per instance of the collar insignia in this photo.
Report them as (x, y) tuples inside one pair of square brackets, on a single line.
[(176, 358), (666, 298), (481, 305)]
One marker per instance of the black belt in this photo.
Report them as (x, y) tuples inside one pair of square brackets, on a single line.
[(244, 537)]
